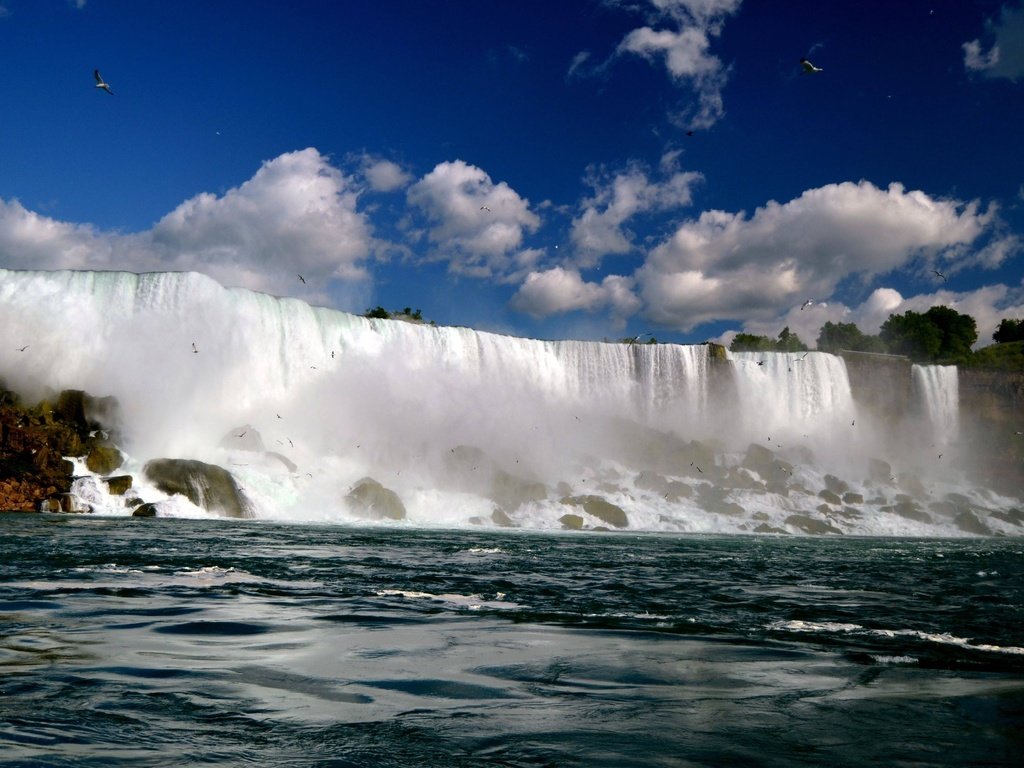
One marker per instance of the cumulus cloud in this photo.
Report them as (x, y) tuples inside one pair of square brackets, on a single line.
[(728, 265), (383, 175), (1005, 55), (473, 223), (684, 48), (598, 230), (988, 305), (558, 290), (297, 214)]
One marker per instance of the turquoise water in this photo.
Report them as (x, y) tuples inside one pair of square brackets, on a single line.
[(174, 642)]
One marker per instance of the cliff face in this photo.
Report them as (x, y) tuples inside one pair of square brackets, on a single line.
[(881, 384), (991, 412)]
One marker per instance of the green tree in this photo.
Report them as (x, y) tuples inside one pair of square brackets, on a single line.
[(378, 312), (1009, 330), (837, 336), (959, 332), (789, 342), (940, 333), (748, 342)]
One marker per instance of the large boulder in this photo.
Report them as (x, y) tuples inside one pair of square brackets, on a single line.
[(206, 485), (103, 458), (368, 498), (597, 507)]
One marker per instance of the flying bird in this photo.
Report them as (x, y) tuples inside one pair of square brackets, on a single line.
[(302, 279), (807, 303), (637, 338), (808, 68), (194, 350), (484, 208), (939, 274), (22, 349), (100, 83)]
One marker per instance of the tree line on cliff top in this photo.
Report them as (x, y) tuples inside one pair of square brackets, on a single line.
[(940, 335)]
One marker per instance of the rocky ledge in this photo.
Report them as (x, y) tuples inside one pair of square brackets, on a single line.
[(34, 439)]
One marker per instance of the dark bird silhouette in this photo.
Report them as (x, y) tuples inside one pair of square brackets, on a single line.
[(302, 279), (806, 304), (637, 338), (22, 349), (939, 274), (194, 350)]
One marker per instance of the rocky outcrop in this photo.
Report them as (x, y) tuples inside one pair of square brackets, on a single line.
[(371, 500), (35, 439), (991, 408), (207, 486), (600, 508)]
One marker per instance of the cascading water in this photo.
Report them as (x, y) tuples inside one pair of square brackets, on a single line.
[(301, 403), (937, 389)]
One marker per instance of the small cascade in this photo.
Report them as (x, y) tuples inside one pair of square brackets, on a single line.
[(937, 393)]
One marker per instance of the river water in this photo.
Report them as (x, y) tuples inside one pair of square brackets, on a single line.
[(170, 642)]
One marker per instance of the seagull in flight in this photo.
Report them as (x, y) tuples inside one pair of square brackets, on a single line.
[(22, 349), (302, 279), (939, 274), (484, 208), (637, 338), (194, 350), (100, 83), (807, 303), (808, 68)]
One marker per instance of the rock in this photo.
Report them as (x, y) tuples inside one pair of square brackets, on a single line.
[(103, 458), (831, 497), (911, 483), (243, 438), (763, 461), (145, 510), (206, 485), (499, 518), (911, 510), (879, 471), (836, 485), (597, 507), (1013, 516), (853, 498), (571, 522), (370, 499), (117, 486), (969, 523), (807, 524)]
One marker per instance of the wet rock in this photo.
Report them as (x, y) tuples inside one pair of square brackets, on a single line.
[(879, 471), (145, 510), (835, 485), (968, 522), (830, 496), (810, 525), (911, 483), (103, 458), (207, 486), (853, 498), (243, 438), (368, 498), (765, 528), (500, 518), (118, 485), (571, 522), (911, 510), (1013, 516), (600, 508)]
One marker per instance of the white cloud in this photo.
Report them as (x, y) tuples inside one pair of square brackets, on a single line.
[(560, 290), (724, 265), (1005, 57), (987, 305), (383, 175), (297, 214), (474, 224), (598, 230), (685, 50)]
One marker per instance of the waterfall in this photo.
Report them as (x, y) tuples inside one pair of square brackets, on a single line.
[(937, 390), (462, 426)]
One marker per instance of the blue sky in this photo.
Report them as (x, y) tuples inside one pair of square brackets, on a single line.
[(572, 169)]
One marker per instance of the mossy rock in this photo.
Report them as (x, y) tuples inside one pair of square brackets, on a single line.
[(145, 510), (103, 458), (118, 485), (207, 486)]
